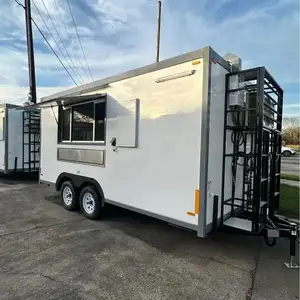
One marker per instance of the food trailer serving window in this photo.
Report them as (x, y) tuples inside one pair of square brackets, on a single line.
[(82, 122)]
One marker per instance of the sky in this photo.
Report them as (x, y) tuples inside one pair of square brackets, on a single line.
[(119, 35)]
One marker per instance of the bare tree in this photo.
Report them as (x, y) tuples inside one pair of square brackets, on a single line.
[(291, 121), (291, 130)]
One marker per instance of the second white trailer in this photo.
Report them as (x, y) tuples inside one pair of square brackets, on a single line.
[(19, 139)]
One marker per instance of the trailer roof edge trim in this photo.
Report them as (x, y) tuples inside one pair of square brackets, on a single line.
[(70, 100), (189, 56)]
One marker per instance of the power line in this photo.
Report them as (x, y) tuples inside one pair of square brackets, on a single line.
[(67, 33), (58, 46), (62, 19), (42, 34), (79, 40), (53, 50), (59, 37), (20, 4)]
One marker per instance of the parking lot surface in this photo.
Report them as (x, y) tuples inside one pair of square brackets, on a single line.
[(47, 252), (291, 165)]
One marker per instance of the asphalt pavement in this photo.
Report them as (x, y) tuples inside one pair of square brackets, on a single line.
[(290, 165), (47, 252)]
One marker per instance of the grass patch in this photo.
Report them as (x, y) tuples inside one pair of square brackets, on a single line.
[(289, 201), (290, 177)]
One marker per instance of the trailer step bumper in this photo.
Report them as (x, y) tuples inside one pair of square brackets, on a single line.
[(239, 223)]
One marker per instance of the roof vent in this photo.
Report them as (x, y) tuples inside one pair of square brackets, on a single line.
[(234, 60)]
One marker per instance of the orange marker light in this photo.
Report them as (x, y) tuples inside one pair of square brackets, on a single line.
[(197, 202), (197, 205), (196, 62), (191, 213)]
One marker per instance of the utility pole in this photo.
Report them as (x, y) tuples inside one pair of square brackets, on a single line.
[(32, 84), (158, 31)]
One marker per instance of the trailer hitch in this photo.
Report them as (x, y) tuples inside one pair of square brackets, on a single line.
[(279, 227)]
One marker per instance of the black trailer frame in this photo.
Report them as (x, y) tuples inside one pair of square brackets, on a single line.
[(256, 138), (31, 140), (256, 134)]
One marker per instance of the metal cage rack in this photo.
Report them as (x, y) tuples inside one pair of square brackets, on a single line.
[(254, 128), (31, 140)]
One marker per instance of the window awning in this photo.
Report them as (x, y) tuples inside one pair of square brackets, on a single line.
[(69, 100)]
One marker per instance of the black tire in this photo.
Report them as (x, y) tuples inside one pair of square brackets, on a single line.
[(70, 203), (95, 202), (286, 153)]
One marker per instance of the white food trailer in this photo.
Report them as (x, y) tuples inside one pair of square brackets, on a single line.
[(182, 140), (19, 139)]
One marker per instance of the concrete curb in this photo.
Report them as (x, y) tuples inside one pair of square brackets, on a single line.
[(290, 182), (288, 219)]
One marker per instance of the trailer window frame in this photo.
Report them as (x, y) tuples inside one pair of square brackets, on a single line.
[(61, 125), (70, 107)]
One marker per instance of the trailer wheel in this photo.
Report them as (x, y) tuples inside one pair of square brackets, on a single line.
[(68, 196), (90, 203)]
